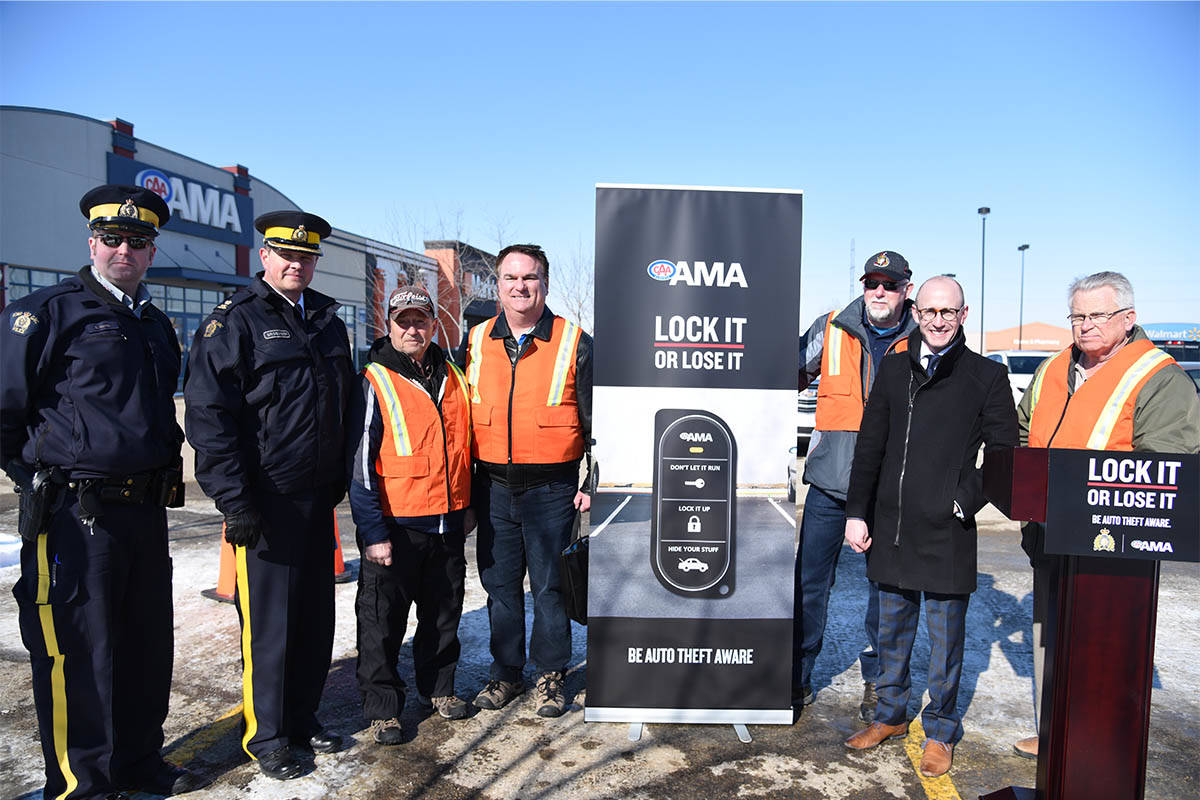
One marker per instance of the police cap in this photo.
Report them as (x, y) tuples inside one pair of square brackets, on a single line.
[(130, 208), (293, 230), (888, 263)]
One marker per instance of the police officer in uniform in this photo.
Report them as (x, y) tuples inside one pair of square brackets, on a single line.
[(410, 488), (268, 381), (89, 368)]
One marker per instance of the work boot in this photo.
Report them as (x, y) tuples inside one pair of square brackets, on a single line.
[(875, 733), (551, 702), (450, 706), (1027, 747), (387, 731), (498, 694), (866, 709)]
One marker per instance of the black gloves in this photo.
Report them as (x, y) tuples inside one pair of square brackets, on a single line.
[(243, 528)]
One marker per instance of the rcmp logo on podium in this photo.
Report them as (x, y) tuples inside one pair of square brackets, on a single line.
[(1104, 542)]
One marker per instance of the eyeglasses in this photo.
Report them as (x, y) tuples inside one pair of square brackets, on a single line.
[(114, 240), (888, 286), (948, 314), (1096, 317)]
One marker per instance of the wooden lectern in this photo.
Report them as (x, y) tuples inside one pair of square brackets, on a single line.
[(1095, 713)]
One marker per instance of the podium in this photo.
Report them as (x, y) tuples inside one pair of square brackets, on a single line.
[(1110, 518)]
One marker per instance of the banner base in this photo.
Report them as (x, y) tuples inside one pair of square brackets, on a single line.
[(698, 716)]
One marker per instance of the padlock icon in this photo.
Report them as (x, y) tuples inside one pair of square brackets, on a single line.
[(693, 524)]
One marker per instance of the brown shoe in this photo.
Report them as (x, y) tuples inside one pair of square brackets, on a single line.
[(1027, 747), (875, 733), (937, 758)]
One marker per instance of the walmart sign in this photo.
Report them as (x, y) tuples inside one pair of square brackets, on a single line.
[(197, 208)]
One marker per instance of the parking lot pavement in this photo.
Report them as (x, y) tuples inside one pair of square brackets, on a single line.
[(512, 753)]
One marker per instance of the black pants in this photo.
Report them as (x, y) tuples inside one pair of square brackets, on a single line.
[(285, 603), (429, 570), (95, 615)]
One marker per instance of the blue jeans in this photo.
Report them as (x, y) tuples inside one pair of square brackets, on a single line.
[(519, 531), (822, 531), (946, 619)]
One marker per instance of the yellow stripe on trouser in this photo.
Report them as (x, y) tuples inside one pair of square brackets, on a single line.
[(939, 788), (562, 363), (243, 585), (58, 683)]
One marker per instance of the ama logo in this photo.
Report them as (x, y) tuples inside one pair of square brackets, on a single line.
[(698, 273)]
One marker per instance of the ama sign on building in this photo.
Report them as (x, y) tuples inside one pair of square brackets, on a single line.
[(197, 208)]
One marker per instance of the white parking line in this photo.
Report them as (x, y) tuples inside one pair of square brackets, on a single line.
[(791, 518), (611, 516)]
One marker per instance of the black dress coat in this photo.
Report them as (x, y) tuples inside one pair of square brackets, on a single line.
[(916, 456)]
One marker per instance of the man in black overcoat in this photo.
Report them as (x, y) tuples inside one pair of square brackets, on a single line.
[(914, 492)]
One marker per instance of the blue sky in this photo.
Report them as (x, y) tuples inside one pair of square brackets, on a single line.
[(1077, 123)]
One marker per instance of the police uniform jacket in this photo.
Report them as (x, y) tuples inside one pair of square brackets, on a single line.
[(86, 384), (915, 458), (266, 397)]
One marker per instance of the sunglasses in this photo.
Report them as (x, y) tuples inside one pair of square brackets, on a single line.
[(114, 240), (888, 286)]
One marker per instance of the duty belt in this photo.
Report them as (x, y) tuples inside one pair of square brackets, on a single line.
[(162, 487)]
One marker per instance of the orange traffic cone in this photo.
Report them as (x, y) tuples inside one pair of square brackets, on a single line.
[(227, 574)]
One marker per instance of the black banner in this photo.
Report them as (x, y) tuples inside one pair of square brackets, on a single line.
[(1124, 505), (690, 583)]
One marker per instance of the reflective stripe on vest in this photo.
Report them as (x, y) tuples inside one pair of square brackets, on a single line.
[(843, 386), (1099, 415), (544, 412), (423, 462)]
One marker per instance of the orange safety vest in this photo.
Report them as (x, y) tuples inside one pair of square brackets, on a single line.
[(1099, 415), (541, 404), (842, 393), (423, 461)]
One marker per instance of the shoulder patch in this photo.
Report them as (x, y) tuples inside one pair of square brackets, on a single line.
[(24, 323), (213, 328)]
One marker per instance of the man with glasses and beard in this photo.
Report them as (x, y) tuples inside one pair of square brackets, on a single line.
[(89, 369), (844, 350), (914, 492)]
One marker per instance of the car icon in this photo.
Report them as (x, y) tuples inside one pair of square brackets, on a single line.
[(689, 564)]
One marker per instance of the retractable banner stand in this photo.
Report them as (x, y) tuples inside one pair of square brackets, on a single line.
[(694, 415)]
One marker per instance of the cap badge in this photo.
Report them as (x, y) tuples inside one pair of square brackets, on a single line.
[(128, 209), (300, 235), (881, 260)]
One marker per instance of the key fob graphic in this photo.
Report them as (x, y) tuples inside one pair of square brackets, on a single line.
[(693, 515)]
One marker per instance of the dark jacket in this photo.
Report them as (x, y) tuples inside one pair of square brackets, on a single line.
[(827, 465), (915, 458), (266, 397), (87, 385)]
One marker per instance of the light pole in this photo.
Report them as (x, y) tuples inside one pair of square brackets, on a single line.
[(983, 212), (1021, 302)]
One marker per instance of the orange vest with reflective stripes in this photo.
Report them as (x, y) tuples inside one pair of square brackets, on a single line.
[(1099, 415), (841, 395), (538, 396), (423, 464)]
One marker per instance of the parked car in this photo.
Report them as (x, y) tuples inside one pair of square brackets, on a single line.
[(806, 404), (791, 473), (1021, 366)]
